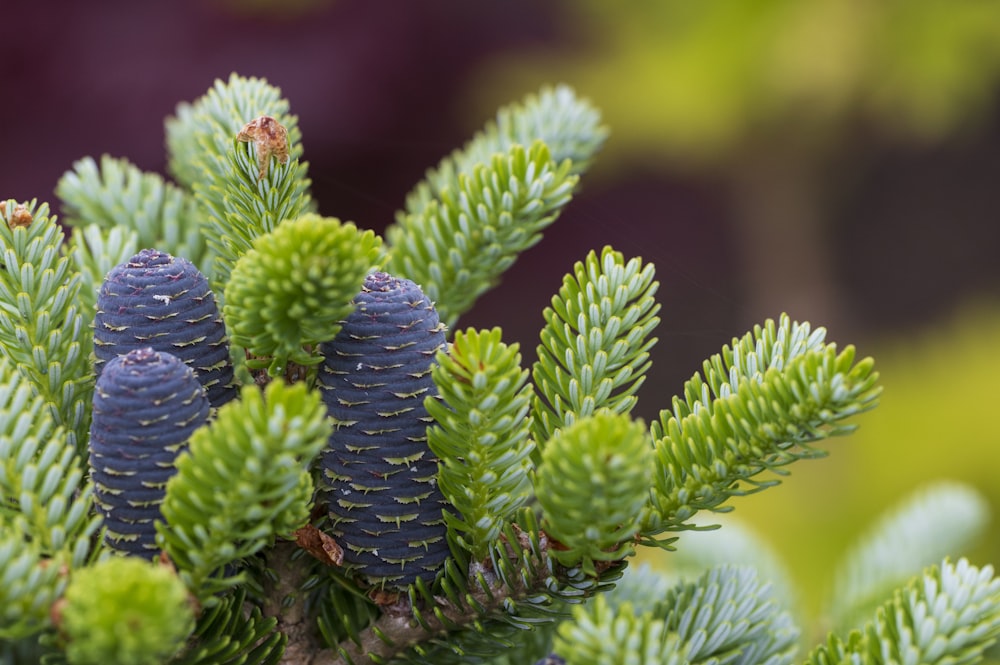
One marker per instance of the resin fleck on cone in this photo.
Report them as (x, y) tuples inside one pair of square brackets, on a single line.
[(164, 302), (384, 503), (146, 405)]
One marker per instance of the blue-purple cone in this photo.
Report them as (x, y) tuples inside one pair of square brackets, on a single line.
[(146, 405), (161, 301), (384, 503)]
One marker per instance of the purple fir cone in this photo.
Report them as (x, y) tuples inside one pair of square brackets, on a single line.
[(161, 301), (384, 503), (146, 405)]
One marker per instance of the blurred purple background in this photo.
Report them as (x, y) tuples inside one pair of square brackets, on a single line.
[(384, 90)]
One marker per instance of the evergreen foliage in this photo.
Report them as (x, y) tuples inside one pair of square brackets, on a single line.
[(243, 481), (224, 174), (949, 614), (227, 633), (42, 328), (45, 521), (609, 459), (407, 500), (463, 240), (596, 341), (290, 291), (481, 436), (116, 194), (938, 521), (758, 406), (96, 251), (142, 618), (470, 217), (726, 616)]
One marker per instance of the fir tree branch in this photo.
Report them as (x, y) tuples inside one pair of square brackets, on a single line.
[(595, 344), (117, 195), (201, 133), (770, 406), (457, 245), (45, 521), (96, 250), (936, 521), (600, 633), (290, 291), (240, 202), (726, 616), (42, 328), (568, 125), (243, 481), (520, 579), (29, 586), (592, 484), (470, 217), (231, 633), (481, 436), (950, 614), (717, 539), (142, 618), (729, 614)]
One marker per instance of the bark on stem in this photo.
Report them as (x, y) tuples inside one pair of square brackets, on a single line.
[(397, 623)]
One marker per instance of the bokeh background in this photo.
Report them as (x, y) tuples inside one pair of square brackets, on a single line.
[(835, 159)]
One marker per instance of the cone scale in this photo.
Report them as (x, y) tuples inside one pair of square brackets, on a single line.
[(384, 504), (161, 301), (146, 405)]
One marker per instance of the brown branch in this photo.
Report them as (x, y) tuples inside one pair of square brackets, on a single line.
[(403, 631), (397, 624), (284, 601)]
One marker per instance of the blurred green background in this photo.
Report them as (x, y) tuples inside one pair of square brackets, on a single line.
[(835, 159), (784, 106)]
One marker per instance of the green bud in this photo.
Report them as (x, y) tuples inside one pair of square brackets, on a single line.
[(592, 485), (125, 611), (293, 288)]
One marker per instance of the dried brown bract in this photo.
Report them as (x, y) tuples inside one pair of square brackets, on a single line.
[(271, 139), (19, 216), (320, 545)]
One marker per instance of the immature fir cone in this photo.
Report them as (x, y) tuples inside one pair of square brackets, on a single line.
[(384, 503), (146, 405), (161, 301)]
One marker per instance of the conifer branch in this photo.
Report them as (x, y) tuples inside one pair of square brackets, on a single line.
[(115, 194), (243, 481), (949, 614), (239, 198), (45, 508), (42, 327), (464, 506), (568, 125), (759, 407), (231, 633), (594, 349), (520, 586), (290, 291), (592, 484), (458, 244), (145, 596), (726, 615), (481, 436), (935, 522), (96, 250), (484, 204)]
